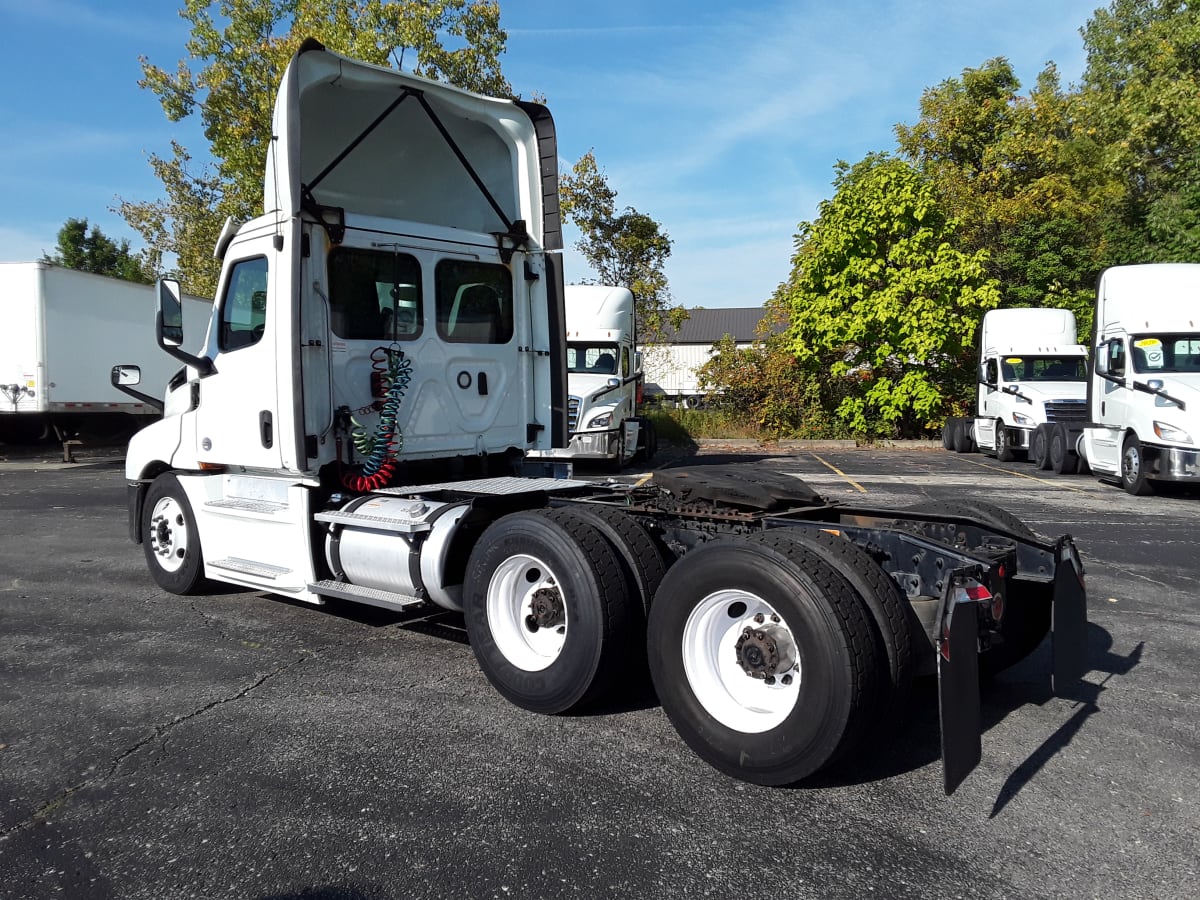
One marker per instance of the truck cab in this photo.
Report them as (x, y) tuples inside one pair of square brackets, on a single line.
[(604, 376), (395, 313), (1032, 378), (1144, 393)]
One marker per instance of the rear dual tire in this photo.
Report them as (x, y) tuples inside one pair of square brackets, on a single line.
[(764, 658)]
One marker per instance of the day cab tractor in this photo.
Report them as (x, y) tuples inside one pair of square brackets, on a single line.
[(387, 352)]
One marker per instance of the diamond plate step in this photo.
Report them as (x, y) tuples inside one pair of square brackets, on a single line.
[(361, 594), (249, 567)]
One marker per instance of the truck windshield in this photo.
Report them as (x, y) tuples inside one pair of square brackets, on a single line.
[(1169, 353), (592, 359), (1043, 368)]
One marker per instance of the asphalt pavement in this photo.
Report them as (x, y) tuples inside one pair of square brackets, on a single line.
[(241, 745)]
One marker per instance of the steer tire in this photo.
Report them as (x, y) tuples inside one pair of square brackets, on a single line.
[(524, 558), (764, 732), (170, 539), (1003, 439), (1133, 467)]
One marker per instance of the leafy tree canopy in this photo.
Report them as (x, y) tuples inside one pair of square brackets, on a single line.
[(241, 48), (91, 250), (880, 298), (626, 248), (1141, 89)]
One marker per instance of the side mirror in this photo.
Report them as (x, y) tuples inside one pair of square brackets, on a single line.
[(126, 376), (637, 360), (1155, 384), (168, 327), (169, 318), (1101, 360)]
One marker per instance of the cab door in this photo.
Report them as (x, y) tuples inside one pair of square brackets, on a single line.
[(237, 419)]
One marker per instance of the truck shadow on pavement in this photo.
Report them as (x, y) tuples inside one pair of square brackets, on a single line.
[(917, 743)]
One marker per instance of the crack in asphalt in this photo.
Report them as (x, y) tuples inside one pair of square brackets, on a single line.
[(159, 731)]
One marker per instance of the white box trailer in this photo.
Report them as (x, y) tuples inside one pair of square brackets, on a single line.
[(62, 331)]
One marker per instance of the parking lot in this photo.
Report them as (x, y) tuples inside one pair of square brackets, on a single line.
[(240, 745)]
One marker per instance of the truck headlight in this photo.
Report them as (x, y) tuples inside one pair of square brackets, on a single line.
[(1022, 419), (602, 421), (1171, 433)]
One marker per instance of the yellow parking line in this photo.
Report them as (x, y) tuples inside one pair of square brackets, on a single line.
[(1057, 484), (840, 472)]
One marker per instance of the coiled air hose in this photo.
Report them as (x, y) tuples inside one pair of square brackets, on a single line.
[(392, 371)]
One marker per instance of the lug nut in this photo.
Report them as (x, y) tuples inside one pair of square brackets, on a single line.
[(759, 618)]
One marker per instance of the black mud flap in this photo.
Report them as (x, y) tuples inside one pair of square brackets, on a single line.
[(958, 694), (1068, 624)]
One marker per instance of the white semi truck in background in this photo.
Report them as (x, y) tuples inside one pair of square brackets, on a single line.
[(60, 331), (1031, 397), (1144, 393), (604, 380), (387, 351)]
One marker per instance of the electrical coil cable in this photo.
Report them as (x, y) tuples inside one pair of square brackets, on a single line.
[(394, 372)]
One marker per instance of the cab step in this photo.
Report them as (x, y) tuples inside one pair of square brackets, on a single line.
[(362, 594), (249, 567)]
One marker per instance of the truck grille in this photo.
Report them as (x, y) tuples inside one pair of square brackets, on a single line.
[(1066, 411), (573, 413)]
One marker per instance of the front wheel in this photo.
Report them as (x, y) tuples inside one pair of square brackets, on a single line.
[(170, 540), (763, 659), (1004, 449), (1133, 468), (548, 609)]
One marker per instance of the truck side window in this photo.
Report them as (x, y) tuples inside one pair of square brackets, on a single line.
[(474, 302), (1116, 358), (375, 295), (624, 362), (244, 306)]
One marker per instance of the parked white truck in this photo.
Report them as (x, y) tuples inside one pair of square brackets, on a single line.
[(60, 332), (1031, 398), (393, 325), (1144, 393), (604, 380)]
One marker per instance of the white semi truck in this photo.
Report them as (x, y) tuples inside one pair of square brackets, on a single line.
[(386, 349), (1144, 393), (1031, 397), (59, 333), (604, 380)]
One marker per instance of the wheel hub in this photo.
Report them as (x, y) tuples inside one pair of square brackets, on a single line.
[(765, 652), (546, 609)]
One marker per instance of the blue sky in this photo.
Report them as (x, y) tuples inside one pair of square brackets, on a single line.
[(722, 121)]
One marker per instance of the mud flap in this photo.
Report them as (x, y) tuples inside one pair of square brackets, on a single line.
[(1068, 624), (958, 693)]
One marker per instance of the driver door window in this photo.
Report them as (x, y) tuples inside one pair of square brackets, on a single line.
[(244, 306)]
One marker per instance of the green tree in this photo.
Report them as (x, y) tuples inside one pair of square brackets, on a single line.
[(1023, 178), (626, 248), (243, 47), (91, 250), (883, 304), (766, 386), (1141, 89)]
